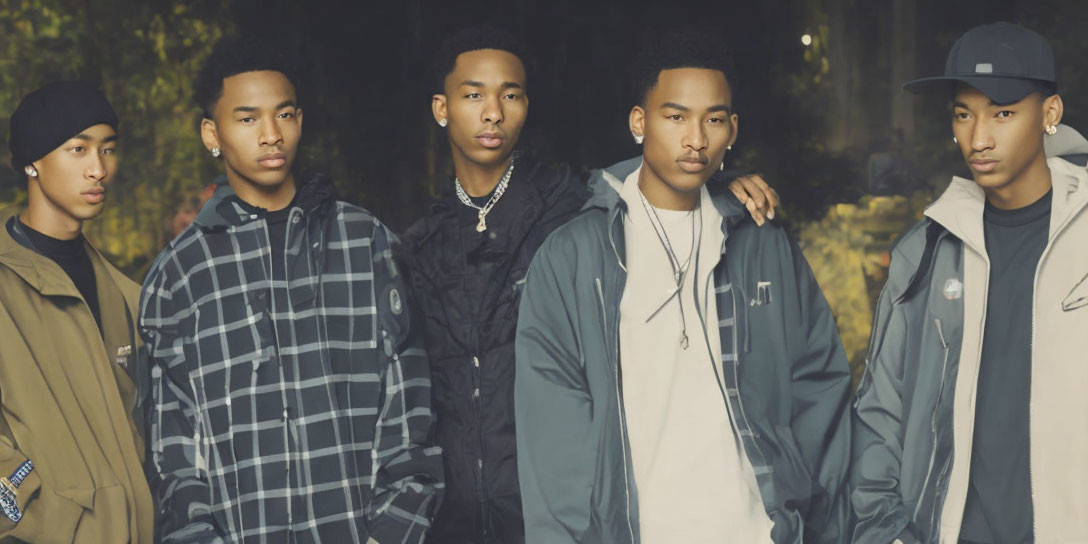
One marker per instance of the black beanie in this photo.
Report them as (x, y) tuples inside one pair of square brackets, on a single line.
[(49, 116)]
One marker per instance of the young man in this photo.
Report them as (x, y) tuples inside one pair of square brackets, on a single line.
[(469, 256), (970, 419), (292, 402), (71, 452), (679, 374)]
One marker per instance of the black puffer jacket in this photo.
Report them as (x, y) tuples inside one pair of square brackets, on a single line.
[(467, 285)]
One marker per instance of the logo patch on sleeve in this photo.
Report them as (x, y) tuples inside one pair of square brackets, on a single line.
[(9, 491), (395, 302), (123, 353)]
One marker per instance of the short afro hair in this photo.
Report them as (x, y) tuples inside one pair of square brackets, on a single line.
[(232, 56), (681, 47), (474, 38)]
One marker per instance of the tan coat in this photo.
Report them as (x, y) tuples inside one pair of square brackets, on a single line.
[(66, 402)]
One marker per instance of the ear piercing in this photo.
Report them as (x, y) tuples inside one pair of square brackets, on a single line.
[(216, 152), (638, 138), (31, 171), (443, 122), (955, 140), (1051, 130)]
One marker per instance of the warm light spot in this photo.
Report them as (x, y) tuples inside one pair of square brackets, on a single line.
[(806, 40)]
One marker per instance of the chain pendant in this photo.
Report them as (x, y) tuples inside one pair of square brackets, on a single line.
[(482, 225), (684, 340)]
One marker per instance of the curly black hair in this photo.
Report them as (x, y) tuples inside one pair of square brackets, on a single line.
[(474, 38), (681, 47), (232, 56)]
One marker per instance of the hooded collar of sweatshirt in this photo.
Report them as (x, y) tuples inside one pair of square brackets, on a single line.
[(1064, 143), (606, 184), (960, 207), (224, 209)]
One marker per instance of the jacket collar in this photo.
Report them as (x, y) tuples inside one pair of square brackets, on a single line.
[(40, 272), (605, 185), (960, 207), (223, 209), (525, 189)]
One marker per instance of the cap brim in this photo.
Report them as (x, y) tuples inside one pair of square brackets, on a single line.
[(1001, 90)]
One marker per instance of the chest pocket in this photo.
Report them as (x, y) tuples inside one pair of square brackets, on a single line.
[(233, 327)]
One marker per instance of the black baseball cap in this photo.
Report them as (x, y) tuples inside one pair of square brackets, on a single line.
[(1005, 61)]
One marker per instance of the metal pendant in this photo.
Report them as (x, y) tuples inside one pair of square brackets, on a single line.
[(684, 340), (482, 225)]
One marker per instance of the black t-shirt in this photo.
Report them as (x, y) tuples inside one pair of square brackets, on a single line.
[(481, 201), (999, 507), (277, 235), (71, 256)]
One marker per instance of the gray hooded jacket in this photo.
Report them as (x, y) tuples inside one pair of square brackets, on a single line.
[(783, 374), (915, 404)]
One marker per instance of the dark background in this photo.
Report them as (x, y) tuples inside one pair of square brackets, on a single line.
[(810, 116)]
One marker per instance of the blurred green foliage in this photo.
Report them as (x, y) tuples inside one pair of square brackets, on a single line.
[(848, 250), (144, 56)]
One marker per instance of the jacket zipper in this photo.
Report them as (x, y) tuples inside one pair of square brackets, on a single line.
[(974, 386), (933, 424), (614, 339), (1031, 397), (481, 489), (279, 360)]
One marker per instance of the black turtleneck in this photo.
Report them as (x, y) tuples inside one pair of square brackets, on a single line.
[(70, 255)]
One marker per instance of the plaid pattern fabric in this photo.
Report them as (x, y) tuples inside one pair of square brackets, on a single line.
[(727, 299), (287, 411)]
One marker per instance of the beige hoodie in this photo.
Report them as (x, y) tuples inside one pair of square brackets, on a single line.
[(1059, 383)]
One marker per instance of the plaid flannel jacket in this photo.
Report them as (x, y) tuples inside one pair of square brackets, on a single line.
[(288, 411)]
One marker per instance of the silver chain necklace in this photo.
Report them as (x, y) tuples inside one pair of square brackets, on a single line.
[(499, 190), (678, 270)]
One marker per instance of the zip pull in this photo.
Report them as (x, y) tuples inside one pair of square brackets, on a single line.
[(940, 332)]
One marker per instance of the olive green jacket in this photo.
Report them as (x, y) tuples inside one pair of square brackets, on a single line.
[(67, 397)]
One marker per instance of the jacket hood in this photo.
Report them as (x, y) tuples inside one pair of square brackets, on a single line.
[(1068, 144), (221, 211), (605, 184), (960, 207)]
